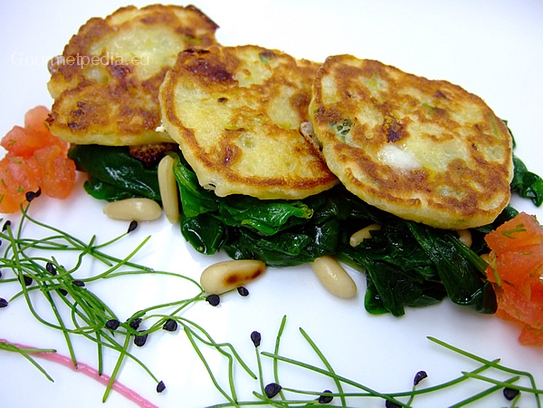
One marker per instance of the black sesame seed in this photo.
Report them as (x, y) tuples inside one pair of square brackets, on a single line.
[(0, 274), (421, 375), (272, 389), (6, 225), (31, 195), (326, 399), (160, 387), (135, 323), (51, 268), (79, 283), (113, 324), (140, 340), (63, 292), (213, 300), (3, 302), (390, 404), (510, 393), (27, 280), (242, 290), (170, 325), (133, 225), (256, 337)]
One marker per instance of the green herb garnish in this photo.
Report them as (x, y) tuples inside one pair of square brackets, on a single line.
[(517, 229), (32, 258)]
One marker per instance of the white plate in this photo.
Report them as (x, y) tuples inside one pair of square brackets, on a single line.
[(490, 48)]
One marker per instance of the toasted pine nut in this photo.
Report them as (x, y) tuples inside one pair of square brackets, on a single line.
[(465, 237), (168, 189), (223, 276), (133, 209), (333, 277), (364, 233)]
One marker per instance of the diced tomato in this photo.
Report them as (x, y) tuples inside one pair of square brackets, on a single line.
[(518, 306), (531, 337), (520, 231), (53, 170), (35, 119), (16, 180), (25, 141), (516, 271), (537, 291), (502, 314), (527, 261), (34, 159)]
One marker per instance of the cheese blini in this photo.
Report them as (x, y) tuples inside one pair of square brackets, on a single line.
[(424, 150), (105, 84), (236, 113)]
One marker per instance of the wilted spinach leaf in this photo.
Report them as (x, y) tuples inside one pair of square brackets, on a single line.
[(527, 184), (114, 173), (461, 275), (406, 264)]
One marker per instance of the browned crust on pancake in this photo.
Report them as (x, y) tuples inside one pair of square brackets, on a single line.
[(383, 107), (213, 71), (102, 98)]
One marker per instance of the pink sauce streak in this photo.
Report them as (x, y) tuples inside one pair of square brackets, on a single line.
[(91, 372)]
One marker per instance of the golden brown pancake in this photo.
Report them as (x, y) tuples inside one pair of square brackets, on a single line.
[(105, 84), (236, 114), (424, 150)]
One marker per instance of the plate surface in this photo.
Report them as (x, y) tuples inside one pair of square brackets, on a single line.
[(491, 49)]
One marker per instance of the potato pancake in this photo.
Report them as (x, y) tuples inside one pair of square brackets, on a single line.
[(105, 84), (236, 114), (424, 150)]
